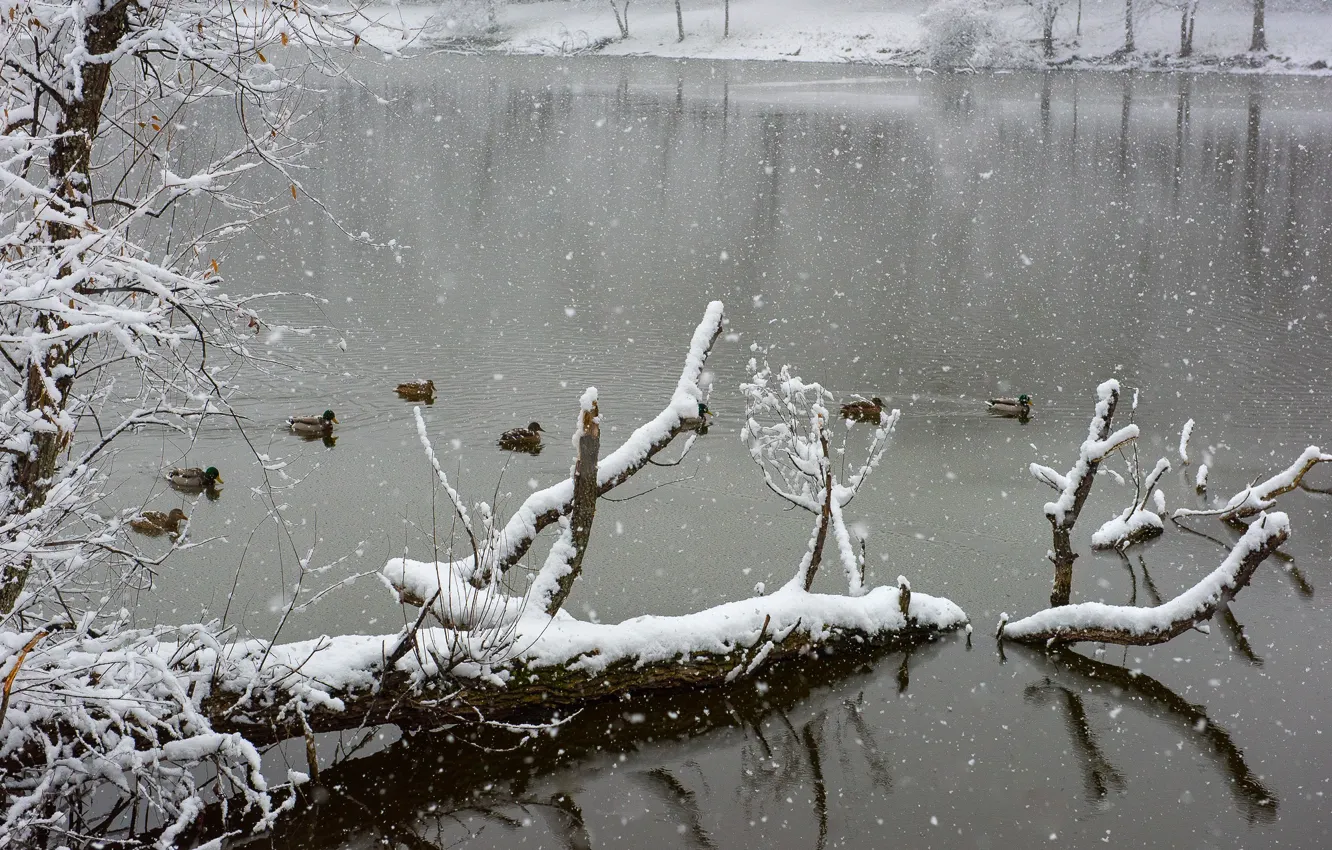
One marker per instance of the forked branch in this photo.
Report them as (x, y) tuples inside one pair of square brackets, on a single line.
[(1260, 496), (1077, 484)]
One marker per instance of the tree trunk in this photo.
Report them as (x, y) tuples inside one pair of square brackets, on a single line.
[(584, 505), (69, 167), (621, 19), (726, 19), (1259, 28), (679, 21), (825, 515), (1047, 35), (1064, 556), (1129, 45)]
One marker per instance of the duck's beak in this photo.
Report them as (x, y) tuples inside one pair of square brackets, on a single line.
[(335, 421), (219, 480)]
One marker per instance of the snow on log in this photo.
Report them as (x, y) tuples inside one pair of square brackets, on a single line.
[(545, 664), (1185, 433), (1258, 497), (1136, 523), (1132, 526), (1123, 624)]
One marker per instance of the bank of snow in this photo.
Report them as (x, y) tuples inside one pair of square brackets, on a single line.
[(888, 32)]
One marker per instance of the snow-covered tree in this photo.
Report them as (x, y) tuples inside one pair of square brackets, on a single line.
[(958, 33), (786, 430), (1046, 12), (114, 194)]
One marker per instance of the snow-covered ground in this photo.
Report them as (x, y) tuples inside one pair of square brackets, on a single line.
[(886, 32)]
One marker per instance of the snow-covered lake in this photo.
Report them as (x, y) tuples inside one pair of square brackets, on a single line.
[(931, 239)]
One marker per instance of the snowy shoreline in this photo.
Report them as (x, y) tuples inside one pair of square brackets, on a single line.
[(858, 32)]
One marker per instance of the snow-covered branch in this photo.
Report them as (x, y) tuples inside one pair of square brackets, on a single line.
[(1261, 496), (555, 581), (1077, 484), (1137, 522), (1094, 621), (417, 581)]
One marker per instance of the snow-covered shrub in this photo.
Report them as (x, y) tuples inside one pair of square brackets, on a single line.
[(959, 33), (464, 19)]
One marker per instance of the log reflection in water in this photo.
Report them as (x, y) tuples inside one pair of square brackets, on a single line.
[(875, 760), (1098, 774), (1255, 801), (438, 791), (677, 794)]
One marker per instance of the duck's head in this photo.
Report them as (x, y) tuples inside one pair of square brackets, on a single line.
[(211, 475), (1024, 400), (328, 416), (704, 410), (176, 516), (878, 402), (533, 426)]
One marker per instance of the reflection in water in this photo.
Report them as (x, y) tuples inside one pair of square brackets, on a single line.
[(1288, 567), (460, 789), (1257, 802), (684, 800), (1099, 775), (707, 770), (1253, 185), (1236, 636)]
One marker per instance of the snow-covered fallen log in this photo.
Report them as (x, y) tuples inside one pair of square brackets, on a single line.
[(1123, 624), (550, 665)]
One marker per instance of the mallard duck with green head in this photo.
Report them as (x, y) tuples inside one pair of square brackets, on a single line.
[(313, 426), (417, 390), (194, 478), (863, 411), (1019, 407), (522, 439), (156, 523), (700, 421)]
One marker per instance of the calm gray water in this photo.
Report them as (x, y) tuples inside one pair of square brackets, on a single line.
[(931, 239)]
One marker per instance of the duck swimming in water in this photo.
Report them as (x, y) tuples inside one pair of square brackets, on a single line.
[(313, 426), (863, 411), (522, 439), (1019, 407)]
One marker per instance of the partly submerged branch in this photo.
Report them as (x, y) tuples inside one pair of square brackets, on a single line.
[(1077, 484), (1122, 624), (554, 583), (1261, 496), (1136, 523)]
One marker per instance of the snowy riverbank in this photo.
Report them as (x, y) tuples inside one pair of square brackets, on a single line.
[(890, 33)]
